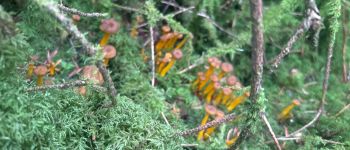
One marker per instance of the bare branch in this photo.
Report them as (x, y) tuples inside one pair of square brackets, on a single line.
[(196, 64), (64, 86), (127, 8), (342, 110), (152, 54), (312, 20), (263, 116), (227, 118), (76, 11)]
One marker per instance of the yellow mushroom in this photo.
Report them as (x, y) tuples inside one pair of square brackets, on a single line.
[(109, 27), (164, 61), (286, 112), (195, 82), (240, 99), (209, 111), (109, 52), (209, 96), (177, 54), (227, 93), (213, 78), (40, 71), (225, 68), (214, 64), (219, 115), (31, 66)]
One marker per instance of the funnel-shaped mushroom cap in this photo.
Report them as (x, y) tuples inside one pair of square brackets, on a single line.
[(166, 29), (217, 85), (214, 78), (92, 73), (214, 61), (231, 80), (247, 94), (109, 26), (76, 17), (40, 70), (109, 51), (226, 67), (296, 102), (219, 114), (210, 109), (177, 54), (226, 91), (166, 37)]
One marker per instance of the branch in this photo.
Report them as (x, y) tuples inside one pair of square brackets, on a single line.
[(226, 119), (196, 64), (76, 11), (312, 20), (71, 28), (64, 86), (152, 54), (263, 116), (344, 42)]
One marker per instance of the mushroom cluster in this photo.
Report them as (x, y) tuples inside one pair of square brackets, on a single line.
[(168, 49), (286, 113), (217, 85)]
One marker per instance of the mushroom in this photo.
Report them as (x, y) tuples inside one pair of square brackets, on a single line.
[(108, 26), (182, 42), (109, 53), (171, 43), (237, 101), (166, 29), (210, 110), (286, 112), (225, 95), (231, 141), (214, 78), (231, 80), (40, 71), (219, 115), (214, 64), (162, 41), (195, 83), (75, 18), (92, 74), (209, 96), (52, 67), (225, 68), (164, 61), (177, 54), (31, 66)]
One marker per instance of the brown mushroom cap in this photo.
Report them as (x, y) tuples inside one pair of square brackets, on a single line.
[(296, 102), (92, 73), (214, 61), (166, 37), (219, 114), (76, 18), (167, 57), (109, 51), (166, 29), (210, 109), (180, 36), (214, 78), (109, 26), (226, 91), (200, 74), (177, 54), (247, 94), (226, 67), (40, 70), (202, 77), (231, 80), (217, 85)]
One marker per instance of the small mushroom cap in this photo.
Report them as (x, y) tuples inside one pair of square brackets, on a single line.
[(76, 17), (214, 78), (109, 51), (202, 77), (210, 109), (177, 54), (296, 102), (219, 114), (217, 85), (109, 26), (214, 61), (40, 70), (167, 57), (200, 74), (166, 29), (227, 91), (231, 80), (226, 67), (166, 37), (92, 73), (238, 84), (180, 36), (247, 94)]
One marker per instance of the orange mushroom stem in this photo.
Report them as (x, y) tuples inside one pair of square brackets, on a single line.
[(167, 58), (227, 93), (40, 71), (214, 78), (108, 26), (214, 63), (52, 67), (177, 54), (31, 66), (109, 52), (286, 112), (225, 68), (240, 99), (209, 96), (195, 82), (162, 41), (209, 111), (219, 115)]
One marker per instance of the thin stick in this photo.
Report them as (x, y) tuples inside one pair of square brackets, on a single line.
[(263, 116), (189, 145), (76, 11), (226, 119), (71, 28), (344, 46), (64, 86), (196, 64), (342, 110), (152, 54), (313, 19), (127, 8), (166, 120)]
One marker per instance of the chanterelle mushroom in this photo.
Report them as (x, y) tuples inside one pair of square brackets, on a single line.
[(108, 26)]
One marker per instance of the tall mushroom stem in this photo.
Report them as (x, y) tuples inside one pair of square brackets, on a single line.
[(40, 80), (105, 39), (285, 113), (237, 101)]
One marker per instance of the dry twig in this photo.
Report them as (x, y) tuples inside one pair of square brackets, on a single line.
[(345, 35), (76, 11), (64, 86), (263, 116), (342, 110), (312, 20), (152, 55)]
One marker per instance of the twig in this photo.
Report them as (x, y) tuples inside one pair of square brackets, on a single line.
[(76, 11), (189, 145), (64, 86), (127, 8), (312, 20), (344, 46), (263, 116), (227, 118), (166, 120), (199, 62), (152, 54), (342, 110), (70, 27)]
